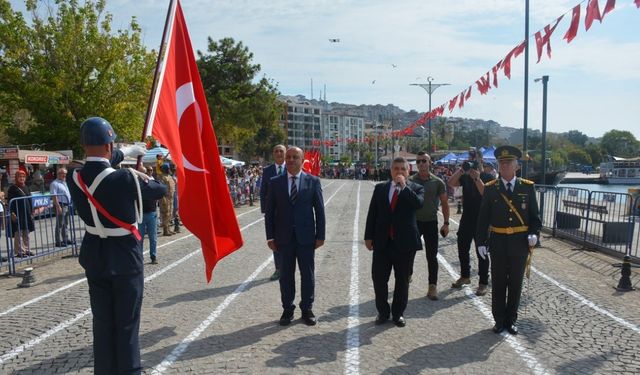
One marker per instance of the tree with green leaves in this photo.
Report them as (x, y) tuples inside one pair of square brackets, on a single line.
[(620, 143), (243, 112), (66, 64)]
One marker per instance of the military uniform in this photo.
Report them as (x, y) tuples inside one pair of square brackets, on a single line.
[(166, 203), (506, 219), (111, 255)]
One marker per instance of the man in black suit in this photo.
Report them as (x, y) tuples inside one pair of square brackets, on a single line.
[(295, 225), (275, 169), (391, 232)]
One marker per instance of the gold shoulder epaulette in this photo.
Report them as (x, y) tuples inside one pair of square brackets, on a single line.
[(525, 181), (492, 182)]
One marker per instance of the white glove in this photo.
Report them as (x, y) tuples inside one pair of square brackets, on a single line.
[(135, 150), (533, 240), (143, 176), (483, 251)]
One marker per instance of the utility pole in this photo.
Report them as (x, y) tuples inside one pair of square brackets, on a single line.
[(430, 88)]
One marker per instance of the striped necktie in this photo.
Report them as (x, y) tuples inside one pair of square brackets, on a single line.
[(294, 190), (279, 170)]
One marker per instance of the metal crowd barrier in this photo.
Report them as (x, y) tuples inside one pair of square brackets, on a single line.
[(603, 220), (41, 240)]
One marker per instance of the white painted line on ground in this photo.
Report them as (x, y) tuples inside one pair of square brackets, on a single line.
[(16, 351), (31, 343), (72, 284), (528, 358), (177, 352), (587, 302), (352, 361), (172, 357)]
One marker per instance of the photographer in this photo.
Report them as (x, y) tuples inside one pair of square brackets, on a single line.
[(472, 180)]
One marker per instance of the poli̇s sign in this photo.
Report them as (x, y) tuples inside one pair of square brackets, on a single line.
[(38, 201)]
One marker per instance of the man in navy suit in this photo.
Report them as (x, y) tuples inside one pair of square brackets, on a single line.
[(109, 202), (295, 226), (275, 169), (392, 234)]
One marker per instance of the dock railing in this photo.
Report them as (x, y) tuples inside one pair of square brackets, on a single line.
[(595, 219)]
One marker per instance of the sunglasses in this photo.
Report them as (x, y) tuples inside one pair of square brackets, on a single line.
[(421, 161)]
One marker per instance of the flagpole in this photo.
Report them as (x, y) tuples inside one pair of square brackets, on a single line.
[(156, 74)]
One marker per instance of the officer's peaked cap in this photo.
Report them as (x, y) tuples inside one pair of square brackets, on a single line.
[(96, 131), (507, 152)]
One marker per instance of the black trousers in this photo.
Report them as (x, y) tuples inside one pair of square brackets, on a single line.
[(508, 259), (429, 232), (384, 261), (115, 304), (466, 234)]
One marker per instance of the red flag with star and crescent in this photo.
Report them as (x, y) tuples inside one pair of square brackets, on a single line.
[(179, 119)]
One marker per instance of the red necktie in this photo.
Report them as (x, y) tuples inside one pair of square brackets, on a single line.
[(394, 201)]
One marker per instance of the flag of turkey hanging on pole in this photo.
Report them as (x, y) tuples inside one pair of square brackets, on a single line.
[(179, 119)]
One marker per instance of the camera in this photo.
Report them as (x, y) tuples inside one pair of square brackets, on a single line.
[(471, 163), (468, 165)]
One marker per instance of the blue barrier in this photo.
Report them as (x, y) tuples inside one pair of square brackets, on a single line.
[(32, 234)]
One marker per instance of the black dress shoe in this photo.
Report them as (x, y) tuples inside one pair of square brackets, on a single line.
[(498, 328), (399, 322), (513, 329), (308, 318), (380, 319), (287, 316)]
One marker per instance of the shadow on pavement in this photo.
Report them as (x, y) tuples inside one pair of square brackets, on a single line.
[(321, 348), (469, 349), (204, 294), (82, 358)]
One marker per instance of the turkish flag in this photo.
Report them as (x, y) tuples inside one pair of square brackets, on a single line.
[(180, 120), (573, 28), (611, 4), (593, 13)]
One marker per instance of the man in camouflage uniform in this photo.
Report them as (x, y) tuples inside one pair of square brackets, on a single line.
[(166, 203)]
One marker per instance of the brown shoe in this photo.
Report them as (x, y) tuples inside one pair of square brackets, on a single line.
[(482, 289), (460, 282), (432, 294)]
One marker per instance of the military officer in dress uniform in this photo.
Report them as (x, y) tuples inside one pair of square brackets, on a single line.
[(508, 226), (109, 202)]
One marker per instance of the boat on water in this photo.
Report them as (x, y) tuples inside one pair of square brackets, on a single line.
[(620, 171), (550, 178)]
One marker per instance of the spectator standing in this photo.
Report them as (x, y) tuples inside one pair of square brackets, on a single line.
[(21, 215), (149, 223), (61, 201)]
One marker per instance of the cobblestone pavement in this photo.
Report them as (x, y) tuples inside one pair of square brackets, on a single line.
[(571, 319)]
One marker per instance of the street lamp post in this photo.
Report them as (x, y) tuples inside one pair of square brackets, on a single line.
[(545, 81), (430, 88)]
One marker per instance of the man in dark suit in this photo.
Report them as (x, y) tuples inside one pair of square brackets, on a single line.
[(392, 233), (295, 226), (109, 203), (275, 169), (508, 225)]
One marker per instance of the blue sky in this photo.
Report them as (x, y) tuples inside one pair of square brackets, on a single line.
[(594, 81)]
